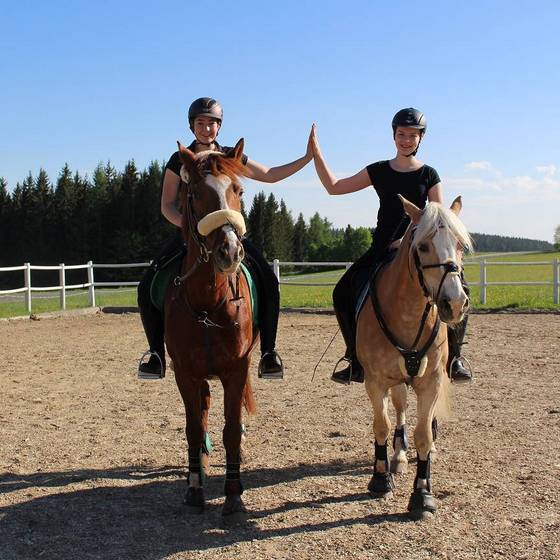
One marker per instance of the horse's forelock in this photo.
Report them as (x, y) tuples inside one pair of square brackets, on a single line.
[(217, 163), (435, 216)]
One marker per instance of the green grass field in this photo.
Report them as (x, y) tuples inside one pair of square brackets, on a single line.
[(292, 295)]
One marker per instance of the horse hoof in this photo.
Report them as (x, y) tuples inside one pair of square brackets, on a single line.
[(381, 485), (234, 511), (194, 500), (422, 504)]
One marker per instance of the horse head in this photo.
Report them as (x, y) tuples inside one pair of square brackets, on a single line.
[(437, 240), (211, 204)]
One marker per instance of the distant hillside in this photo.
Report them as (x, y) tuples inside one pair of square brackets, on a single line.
[(498, 243)]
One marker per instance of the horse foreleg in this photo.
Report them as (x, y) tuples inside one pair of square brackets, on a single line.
[(234, 509), (399, 461), (422, 502), (191, 394), (381, 483)]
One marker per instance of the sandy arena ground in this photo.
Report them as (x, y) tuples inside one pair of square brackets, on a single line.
[(92, 459)]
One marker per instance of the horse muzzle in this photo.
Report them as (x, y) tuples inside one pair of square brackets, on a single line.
[(229, 251), (452, 311)]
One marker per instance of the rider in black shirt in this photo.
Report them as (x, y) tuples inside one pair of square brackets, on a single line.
[(416, 181), (205, 119)]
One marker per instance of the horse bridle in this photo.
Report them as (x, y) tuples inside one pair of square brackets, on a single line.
[(199, 239)]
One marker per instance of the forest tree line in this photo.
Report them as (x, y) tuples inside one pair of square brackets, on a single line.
[(114, 217)]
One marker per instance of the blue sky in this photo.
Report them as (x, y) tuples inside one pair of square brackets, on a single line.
[(86, 82)]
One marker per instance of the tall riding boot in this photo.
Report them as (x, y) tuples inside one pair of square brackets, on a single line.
[(152, 321), (455, 363), (270, 365), (343, 305)]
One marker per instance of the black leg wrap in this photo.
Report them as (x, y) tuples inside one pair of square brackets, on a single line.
[(233, 484), (401, 433), (422, 499), (194, 461), (381, 452), (381, 484)]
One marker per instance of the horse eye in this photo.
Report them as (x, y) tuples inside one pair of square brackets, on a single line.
[(423, 248)]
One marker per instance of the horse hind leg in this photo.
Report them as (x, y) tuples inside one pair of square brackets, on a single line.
[(399, 460)]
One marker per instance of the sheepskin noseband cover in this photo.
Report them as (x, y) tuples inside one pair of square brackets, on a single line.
[(217, 219)]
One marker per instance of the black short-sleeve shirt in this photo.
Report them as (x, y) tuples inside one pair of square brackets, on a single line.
[(413, 185), (174, 162)]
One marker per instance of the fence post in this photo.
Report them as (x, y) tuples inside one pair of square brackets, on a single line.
[(555, 282), (276, 268), (27, 279), (91, 284), (483, 281), (62, 283)]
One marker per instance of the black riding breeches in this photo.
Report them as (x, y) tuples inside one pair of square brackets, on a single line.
[(268, 295), (263, 277), (152, 317)]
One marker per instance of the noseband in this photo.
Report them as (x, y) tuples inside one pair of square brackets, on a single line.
[(449, 267)]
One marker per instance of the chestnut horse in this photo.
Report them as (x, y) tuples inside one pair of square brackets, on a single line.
[(399, 340), (208, 316)]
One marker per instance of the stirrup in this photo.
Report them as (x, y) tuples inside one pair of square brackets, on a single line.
[(150, 376), (349, 367), (468, 368), (277, 374)]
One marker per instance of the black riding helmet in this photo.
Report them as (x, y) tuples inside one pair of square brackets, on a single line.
[(410, 118), (207, 107)]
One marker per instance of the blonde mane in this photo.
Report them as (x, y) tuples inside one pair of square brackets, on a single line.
[(434, 217)]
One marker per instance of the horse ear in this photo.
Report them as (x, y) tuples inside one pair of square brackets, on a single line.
[(457, 205), (237, 152), (411, 209), (186, 156)]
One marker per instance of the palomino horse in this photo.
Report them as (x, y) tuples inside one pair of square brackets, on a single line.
[(399, 340), (208, 316)]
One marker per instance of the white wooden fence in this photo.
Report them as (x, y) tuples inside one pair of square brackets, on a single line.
[(91, 284)]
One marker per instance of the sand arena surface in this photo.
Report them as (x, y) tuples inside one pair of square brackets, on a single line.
[(92, 460)]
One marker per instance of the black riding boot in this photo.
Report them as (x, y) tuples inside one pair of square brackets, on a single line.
[(455, 364), (152, 321), (270, 364), (354, 370)]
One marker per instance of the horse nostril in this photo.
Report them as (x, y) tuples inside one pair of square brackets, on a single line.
[(466, 305)]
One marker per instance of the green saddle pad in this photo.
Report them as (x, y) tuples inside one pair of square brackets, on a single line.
[(172, 268)]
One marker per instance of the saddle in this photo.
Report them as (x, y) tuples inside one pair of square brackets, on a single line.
[(364, 283), (171, 268)]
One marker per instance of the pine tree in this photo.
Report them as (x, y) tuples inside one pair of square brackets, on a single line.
[(300, 240), (270, 241), (255, 221), (284, 234)]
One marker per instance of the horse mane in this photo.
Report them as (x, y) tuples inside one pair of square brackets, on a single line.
[(436, 216), (219, 164)]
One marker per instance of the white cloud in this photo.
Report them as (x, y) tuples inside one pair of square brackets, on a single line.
[(547, 170), (483, 165)]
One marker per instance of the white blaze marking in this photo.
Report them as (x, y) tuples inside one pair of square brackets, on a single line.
[(220, 184)]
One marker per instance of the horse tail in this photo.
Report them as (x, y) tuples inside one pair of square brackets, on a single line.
[(249, 401), (443, 403)]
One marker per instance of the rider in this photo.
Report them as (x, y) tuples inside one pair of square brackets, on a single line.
[(205, 119), (416, 181)]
